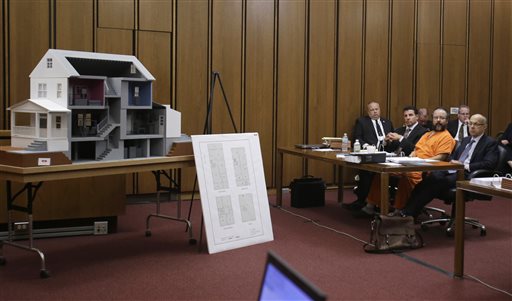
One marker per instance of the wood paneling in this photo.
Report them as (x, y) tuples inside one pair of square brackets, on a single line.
[(290, 119), (454, 22), (155, 15), (4, 113), (428, 54), (402, 60), (479, 57), (118, 41), (29, 40), (227, 60), (349, 65), (454, 76), (73, 18), (259, 77), (321, 79), (154, 51), (192, 71), (116, 14), (376, 53), (453, 84), (501, 113)]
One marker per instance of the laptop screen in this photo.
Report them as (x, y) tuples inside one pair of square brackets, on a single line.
[(281, 282)]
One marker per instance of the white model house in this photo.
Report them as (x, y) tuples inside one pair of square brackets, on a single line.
[(93, 106)]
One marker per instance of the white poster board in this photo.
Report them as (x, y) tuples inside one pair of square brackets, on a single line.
[(233, 191)]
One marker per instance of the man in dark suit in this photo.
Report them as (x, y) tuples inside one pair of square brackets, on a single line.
[(477, 151), (403, 139), (423, 119), (459, 128), (369, 130)]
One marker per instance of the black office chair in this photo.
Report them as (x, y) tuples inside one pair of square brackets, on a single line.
[(449, 198)]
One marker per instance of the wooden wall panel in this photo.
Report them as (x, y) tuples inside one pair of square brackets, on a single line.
[(259, 83), (454, 76), (402, 60), (501, 67), (74, 25), (479, 57), (3, 102), (376, 54), (453, 85), (29, 40), (321, 80), (227, 59), (350, 103), (116, 14), (290, 91), (454, 22), (155, 15), (154, 51), (428, 54), (192, 71), (118, 41)]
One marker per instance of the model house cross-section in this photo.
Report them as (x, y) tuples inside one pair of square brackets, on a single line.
[(93, 106)]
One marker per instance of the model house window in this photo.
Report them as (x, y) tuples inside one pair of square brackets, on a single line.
[(59, 90), (41, 90), (136, 92), (132, 69), (43, 121), (49, 63), (57, 121)]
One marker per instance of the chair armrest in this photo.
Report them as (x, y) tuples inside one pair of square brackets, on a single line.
[(480, 173)]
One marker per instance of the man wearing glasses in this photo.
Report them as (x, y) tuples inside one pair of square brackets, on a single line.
[(477, 151), (459, 128)]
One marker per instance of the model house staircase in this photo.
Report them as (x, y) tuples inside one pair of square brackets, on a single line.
[(38, 146), (103, 155), (104, 131)]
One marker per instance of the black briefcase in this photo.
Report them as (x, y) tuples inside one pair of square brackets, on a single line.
[(307, 191)]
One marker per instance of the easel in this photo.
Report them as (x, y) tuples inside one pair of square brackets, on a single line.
[(207, 130)]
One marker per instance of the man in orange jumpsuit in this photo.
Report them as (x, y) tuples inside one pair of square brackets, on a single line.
[(436, 144)]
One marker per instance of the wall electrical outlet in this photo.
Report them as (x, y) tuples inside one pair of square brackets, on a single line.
[(21, 227), (454, 110), (101, 228)]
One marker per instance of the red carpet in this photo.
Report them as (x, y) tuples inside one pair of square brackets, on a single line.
[(129, 266)]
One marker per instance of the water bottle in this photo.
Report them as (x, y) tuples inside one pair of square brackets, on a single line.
[(357, 146), (344, 143)]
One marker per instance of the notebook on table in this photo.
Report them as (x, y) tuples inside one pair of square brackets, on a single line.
[(281, 282), (310, 146)]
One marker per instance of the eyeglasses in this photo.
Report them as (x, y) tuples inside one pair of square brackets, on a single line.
[(475, 124)]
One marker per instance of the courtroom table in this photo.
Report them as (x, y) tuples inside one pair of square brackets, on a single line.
[(382, 169), (30, 175), (460, 208)]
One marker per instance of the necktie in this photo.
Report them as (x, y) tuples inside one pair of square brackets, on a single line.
[(407, 132), (461, 132), (465, 153), (379, 131)]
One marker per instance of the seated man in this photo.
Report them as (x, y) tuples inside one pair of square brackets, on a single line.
[(436, 144), (403, 139), (477, 151), (369, 130), (506, 140)]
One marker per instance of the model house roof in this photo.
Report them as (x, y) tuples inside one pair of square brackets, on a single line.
[(36, 105), (57, 63)]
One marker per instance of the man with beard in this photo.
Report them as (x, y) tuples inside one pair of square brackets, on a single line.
[(477, 151), (436, 144)]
